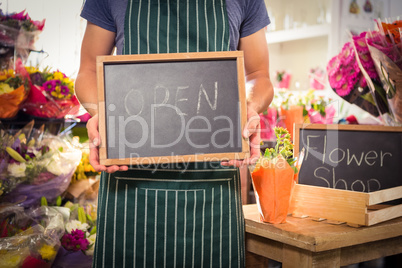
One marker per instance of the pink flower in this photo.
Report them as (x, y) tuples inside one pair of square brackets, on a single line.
[(343, 71), (75, 241), (347, 54), (39, 24), (364, 55), (20, 16)]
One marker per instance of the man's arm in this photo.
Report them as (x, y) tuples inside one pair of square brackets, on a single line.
[(97, 41), (256, 61), (260, 91)]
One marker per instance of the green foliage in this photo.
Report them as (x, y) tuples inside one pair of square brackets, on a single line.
[(283, 147)]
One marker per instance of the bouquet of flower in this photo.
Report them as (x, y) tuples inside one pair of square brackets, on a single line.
[(291, 112), (368, 72), (29, 238), (35, 164), (317, 78), (51, 95), (283, 79), (14, 88), (346, 79), (320, 111), (18, 33), (385, 48), (273, 177), (78, 241), (84, 169)]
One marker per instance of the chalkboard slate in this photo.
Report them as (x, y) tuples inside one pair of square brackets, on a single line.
[(350, 157), (162, 108)]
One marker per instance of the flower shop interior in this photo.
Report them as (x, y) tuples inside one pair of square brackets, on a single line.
[(336, 67)]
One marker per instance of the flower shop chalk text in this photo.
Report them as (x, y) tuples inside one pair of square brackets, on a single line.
[(363, 161), (337, 155)]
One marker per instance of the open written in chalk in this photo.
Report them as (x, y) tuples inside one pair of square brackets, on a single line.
[(350, 157), (164, 108)]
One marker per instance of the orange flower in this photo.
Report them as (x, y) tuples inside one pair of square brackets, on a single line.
[(392, 29)]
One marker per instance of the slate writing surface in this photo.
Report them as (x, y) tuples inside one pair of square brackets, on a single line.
[(172, 108), (363, 161)]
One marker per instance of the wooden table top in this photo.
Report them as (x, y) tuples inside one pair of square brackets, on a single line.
[(317, 236)]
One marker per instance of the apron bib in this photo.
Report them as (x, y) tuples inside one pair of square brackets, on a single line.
[(189, 215), (173, 26)]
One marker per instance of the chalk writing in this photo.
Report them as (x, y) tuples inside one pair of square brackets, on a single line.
[(350, 160)]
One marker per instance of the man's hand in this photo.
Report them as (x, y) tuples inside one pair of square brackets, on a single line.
[(94, 142), (251, 132)]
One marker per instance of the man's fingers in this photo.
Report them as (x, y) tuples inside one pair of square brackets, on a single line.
[(94, 159)]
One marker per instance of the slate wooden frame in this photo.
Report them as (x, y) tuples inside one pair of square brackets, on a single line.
[(171, 57), (339, 127)]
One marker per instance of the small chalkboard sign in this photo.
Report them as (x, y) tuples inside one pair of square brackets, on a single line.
[(359, 158), (164, 108)]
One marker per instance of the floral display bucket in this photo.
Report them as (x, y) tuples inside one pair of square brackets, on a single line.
[(291, 116), (273, 182)]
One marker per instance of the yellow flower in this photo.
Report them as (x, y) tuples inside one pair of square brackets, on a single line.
[(47, 252), (5, 88), (31, 69), (58, 76), (6, 74), (11, 259)]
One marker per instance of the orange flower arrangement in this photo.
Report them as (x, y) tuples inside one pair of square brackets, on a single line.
[(13, 91)]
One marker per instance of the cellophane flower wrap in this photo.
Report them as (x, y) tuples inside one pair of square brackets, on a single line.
[(385, 48), (51, 95), (14, 89), (320, 111), (348, 82), (317, 78), (30, 237), (35, 164), (368, 72), (273, 178), (78, 240), (18, 34)]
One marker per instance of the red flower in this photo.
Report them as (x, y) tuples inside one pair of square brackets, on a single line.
[(31, 262)]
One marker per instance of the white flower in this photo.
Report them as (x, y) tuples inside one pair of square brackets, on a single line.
[(55, 166), (91, 239), (74, 225), (17, 169)]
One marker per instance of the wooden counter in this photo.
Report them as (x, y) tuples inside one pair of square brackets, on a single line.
[(308, 243)]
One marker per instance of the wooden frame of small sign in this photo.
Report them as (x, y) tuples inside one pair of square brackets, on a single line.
[(355, 208), (193, 102)]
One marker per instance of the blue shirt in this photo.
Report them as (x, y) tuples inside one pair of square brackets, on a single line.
[(245, 17)]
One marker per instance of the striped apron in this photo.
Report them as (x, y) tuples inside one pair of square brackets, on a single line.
[(174, 215)]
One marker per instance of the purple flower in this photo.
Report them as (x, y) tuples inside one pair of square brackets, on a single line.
[(3, 165), (64, 90), (49, 86), (43, 178), (75, 241), (37, 78)]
